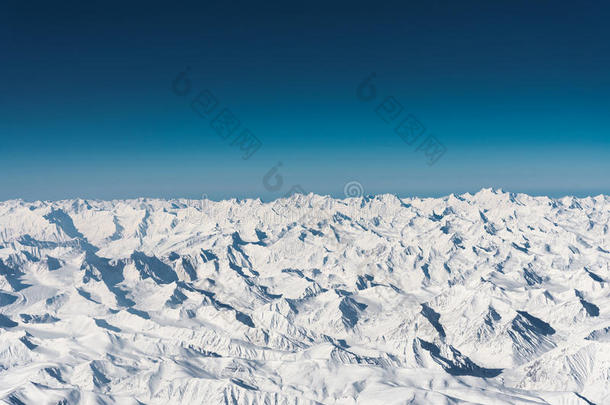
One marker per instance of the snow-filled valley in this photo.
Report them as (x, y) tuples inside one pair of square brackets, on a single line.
[(491, 298)]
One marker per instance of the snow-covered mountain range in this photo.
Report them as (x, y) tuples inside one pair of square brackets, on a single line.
[(491, 298)]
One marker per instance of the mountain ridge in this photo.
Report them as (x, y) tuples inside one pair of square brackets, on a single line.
[(473, 298)]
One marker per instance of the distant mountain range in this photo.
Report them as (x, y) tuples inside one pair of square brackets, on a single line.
[(488, 298)]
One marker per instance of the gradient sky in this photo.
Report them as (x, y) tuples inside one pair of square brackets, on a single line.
[(517, 91)]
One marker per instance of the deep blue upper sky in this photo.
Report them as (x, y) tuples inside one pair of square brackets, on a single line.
[(517, 92)]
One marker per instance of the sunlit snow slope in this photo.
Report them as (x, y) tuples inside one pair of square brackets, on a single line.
[(492, 298)]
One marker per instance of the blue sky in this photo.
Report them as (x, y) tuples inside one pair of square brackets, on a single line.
[(517, 93)]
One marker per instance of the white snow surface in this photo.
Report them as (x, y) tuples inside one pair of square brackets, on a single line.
[(491, 298)]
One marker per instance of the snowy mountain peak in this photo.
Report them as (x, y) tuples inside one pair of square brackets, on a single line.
[(494, 297)]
